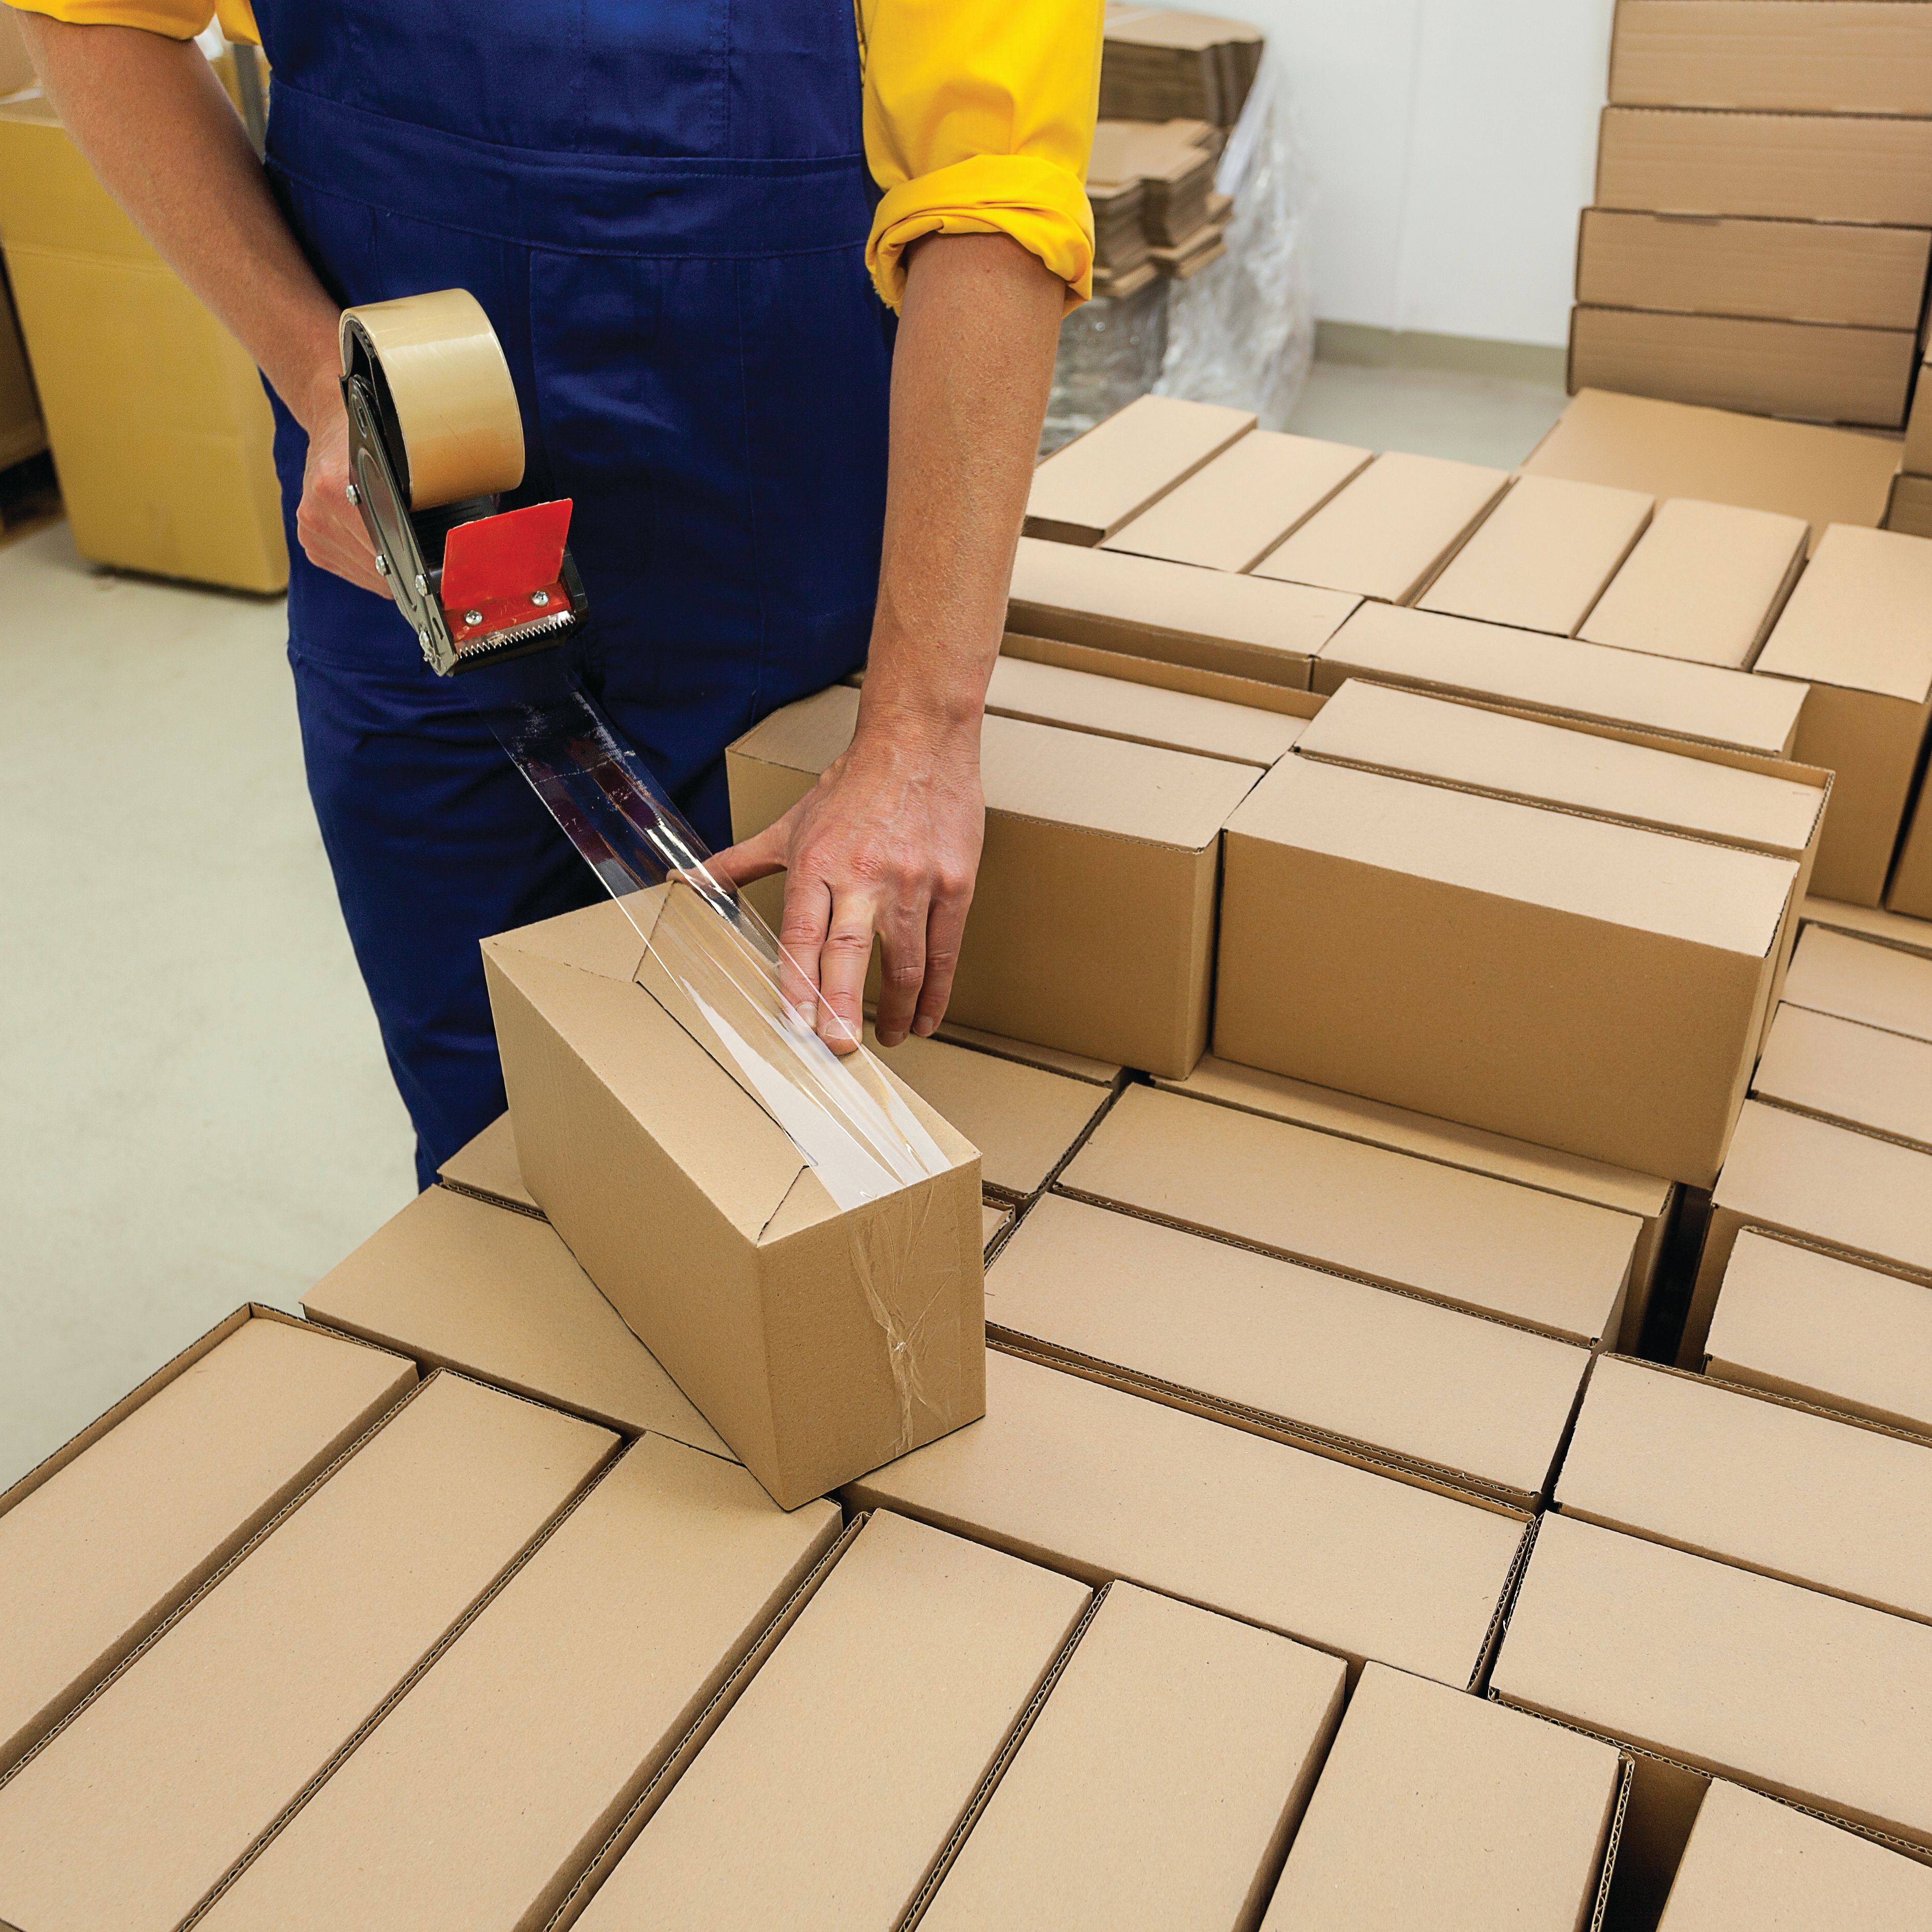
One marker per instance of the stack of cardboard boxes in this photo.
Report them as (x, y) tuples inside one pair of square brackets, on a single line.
[(1763, 221)]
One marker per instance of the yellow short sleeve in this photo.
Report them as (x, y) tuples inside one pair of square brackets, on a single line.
[(979, 117), (179, 20)]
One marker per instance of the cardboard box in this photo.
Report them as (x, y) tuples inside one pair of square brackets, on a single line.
[(460, 1283), (1876, 985), (1188, 680), (1651, 1199), (1158, 64), (1104, 1485), (1887, 929), (1705, 583), (1803, 167), (1114, 707), (1804, 1696), (1229, 515), (1388, 532), (1868, 1199), (1561, 677), (134, 1811), (160, 429), (1836, 271), (1809, 370), (486, 1169), (816, 1340), (1858, 1076), (1752, 1860), (1309, 1356), (1908, 509), (492, 1794), (843, 1770), (1444, 1811), (1463, 1239), (1849, 57), (1084, 493), (1092, 919), (994, 1220), (1145, 607), (1158, 1788), (1910, 891), (101, 1542), (1822, 475), (1541, 558), (1916, 456), (1566, 980), (1807, 1324), (1023, 1120), (1074, 1065), (1753, 1480), (1854, 630)]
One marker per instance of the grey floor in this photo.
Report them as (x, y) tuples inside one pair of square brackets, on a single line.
[(194, 1109)]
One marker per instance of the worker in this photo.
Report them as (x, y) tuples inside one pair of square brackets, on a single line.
[(779, 288)]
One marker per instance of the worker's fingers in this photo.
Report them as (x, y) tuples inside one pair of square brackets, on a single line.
[(902, 937), (757, 857), (945, 928), (843, 958), (808, 914)]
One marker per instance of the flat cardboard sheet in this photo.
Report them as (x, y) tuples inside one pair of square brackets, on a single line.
[(1447, 1813), (1384, 536), (1854, 629), (1116, 707), (1897, 930), (1542, 557), (1857, 1075), (1479, 1403), (1084, 493), (1564, 677), (487, 1168), (1146, 607), (1753, 1861), (1022, 1119), (1802, 1695), (1705, 582), (130, 1815), (1647, 1196), (1103, 1484), (96, 1554), (1822, 475), (1156, 1789), (1457, 1237), (478, 1802), (1755, 1482), (1229, 515), (1566, 981), (459, 1284), (1811, 1325), (1866, 980), (840, 1772)]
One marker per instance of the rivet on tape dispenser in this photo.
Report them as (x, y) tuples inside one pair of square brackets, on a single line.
[(435, 438)]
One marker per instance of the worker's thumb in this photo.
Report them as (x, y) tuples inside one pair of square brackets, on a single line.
[(757, 857)]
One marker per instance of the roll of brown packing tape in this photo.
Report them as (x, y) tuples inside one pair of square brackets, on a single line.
[(454, 406)]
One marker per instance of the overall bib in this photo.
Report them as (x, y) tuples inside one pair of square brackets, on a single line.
[(662, 205)]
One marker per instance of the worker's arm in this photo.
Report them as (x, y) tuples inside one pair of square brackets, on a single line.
[(888, 839), (148, 114)]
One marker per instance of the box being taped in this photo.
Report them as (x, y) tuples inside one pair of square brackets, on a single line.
[(818, 1340)]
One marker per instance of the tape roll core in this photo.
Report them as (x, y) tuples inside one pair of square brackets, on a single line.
[(455, 405)]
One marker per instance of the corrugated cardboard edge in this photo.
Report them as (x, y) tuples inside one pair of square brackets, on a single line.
[(659, 1787), (1478, 1684), (1613, 1838), (502, 1201), (1827, 913), (1843, 1120), (983, 1796), (1283, 701)]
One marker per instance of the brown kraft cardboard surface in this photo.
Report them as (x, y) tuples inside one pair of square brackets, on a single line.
[(1896, 930), (487, 1169), (1864, 979), (1858, 1076)]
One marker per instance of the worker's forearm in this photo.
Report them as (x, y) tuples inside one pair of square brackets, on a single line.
[(970, 380), (155, 125)]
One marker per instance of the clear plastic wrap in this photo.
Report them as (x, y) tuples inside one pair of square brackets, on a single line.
[(1110, 352)]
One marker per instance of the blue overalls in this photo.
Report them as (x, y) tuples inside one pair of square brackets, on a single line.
[(663, 206)]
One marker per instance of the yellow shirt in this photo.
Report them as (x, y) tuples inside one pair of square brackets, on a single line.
[(979, 115)]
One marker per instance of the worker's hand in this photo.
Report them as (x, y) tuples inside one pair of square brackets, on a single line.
[(887, 841), (331, 527)]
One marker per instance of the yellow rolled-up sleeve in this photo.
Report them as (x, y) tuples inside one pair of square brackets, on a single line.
[(978, 119), (179, 20)]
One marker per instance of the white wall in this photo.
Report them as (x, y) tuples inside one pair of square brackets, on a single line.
[(1452, 143)]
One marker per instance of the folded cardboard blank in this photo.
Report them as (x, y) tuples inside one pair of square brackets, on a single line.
[(1105, 1485), (1859, 1076), (1157, 1788), (1855, 978), (836, 1780), (1569, 980), (1803, 1695), (479, 1801), (101, 1542), (1800, 1323), (133, 1812), (816, 1341), (1901, 933), (1441, 1812)]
